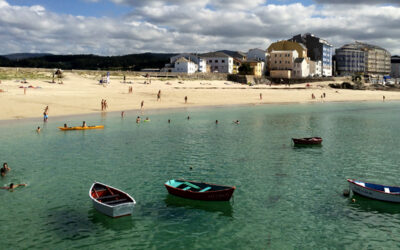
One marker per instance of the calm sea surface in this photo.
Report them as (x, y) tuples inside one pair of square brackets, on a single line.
[(286, 197)]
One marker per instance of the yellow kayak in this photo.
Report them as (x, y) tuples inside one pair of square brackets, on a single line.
[(82, 128)]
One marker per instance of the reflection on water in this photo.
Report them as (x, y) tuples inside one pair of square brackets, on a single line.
[(116, 224), (370, 205), (224, 208)]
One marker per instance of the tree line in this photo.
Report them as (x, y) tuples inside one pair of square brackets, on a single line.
[(134, 62)]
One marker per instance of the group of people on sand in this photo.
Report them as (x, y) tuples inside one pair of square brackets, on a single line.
[(4, 170), (104, 105), (322, 96)]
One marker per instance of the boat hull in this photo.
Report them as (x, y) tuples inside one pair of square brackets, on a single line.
[(116, 211), (116, 205), (81, 128), (373, 194), (221, 195), (307, 141)]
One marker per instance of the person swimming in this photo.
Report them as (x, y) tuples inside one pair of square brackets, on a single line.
[(147, 119), (38, 129), (237, 122), (13, 186), (4, 170), (138, 119)]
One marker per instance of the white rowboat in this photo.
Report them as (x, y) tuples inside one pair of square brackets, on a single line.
[(111, 201), (375, 191)]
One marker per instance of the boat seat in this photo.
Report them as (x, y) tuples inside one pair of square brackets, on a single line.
[(204, 189), (115, 201), (191, 185), (186, 188), (108, 197), (100, 190), (387, 190)]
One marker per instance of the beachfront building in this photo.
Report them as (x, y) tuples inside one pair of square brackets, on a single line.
[(258, 55), (315, 68), (236, 65), (183, 65), (317, 50), (395, 73), (281, 58), (281, 63), (199, 61), (362, 58), (219, 62), (301, 68), (257, 67)]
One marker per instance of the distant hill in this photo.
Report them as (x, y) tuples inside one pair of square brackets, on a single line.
[(93, 62), (20, 56)]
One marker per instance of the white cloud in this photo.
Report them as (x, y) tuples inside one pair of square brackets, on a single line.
[(196, 25)]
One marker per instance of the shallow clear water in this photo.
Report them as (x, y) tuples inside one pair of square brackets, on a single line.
[(286, 197)]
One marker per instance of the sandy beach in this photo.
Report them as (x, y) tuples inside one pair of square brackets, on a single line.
[(81, 94)]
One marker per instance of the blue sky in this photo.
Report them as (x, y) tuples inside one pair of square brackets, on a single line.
[(103, 7), (117, 27)]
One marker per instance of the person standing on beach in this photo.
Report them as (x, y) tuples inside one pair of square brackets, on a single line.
[(186, 98), (260, 96), (102, 104), (141, 105), (45, 117), (383, 98), (105, 105), (159, 95)]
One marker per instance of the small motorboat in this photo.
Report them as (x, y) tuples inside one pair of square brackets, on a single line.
[(199, 190), (81, 128), (111, 201), (375, 191), (307, 141)]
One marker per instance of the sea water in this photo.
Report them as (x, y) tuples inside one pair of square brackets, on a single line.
[(286, 197)]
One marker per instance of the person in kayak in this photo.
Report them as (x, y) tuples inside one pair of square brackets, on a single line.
[(84, 125)]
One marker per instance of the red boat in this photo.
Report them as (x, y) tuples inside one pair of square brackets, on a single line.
[(307, 141), (199, 190)]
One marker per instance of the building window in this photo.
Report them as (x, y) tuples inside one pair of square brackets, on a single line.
[(216, 61), (210, 61), (223, 61)]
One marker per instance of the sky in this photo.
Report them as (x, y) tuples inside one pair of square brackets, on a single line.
[(120, 27)]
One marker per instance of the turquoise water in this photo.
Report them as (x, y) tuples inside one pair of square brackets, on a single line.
[(286, 197)]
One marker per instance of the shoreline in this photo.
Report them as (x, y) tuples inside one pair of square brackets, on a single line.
[(80, 95), (167, 109)]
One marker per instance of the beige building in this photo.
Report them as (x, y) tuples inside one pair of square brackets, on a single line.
[(282, 61), (289, 46), (257, 66)]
